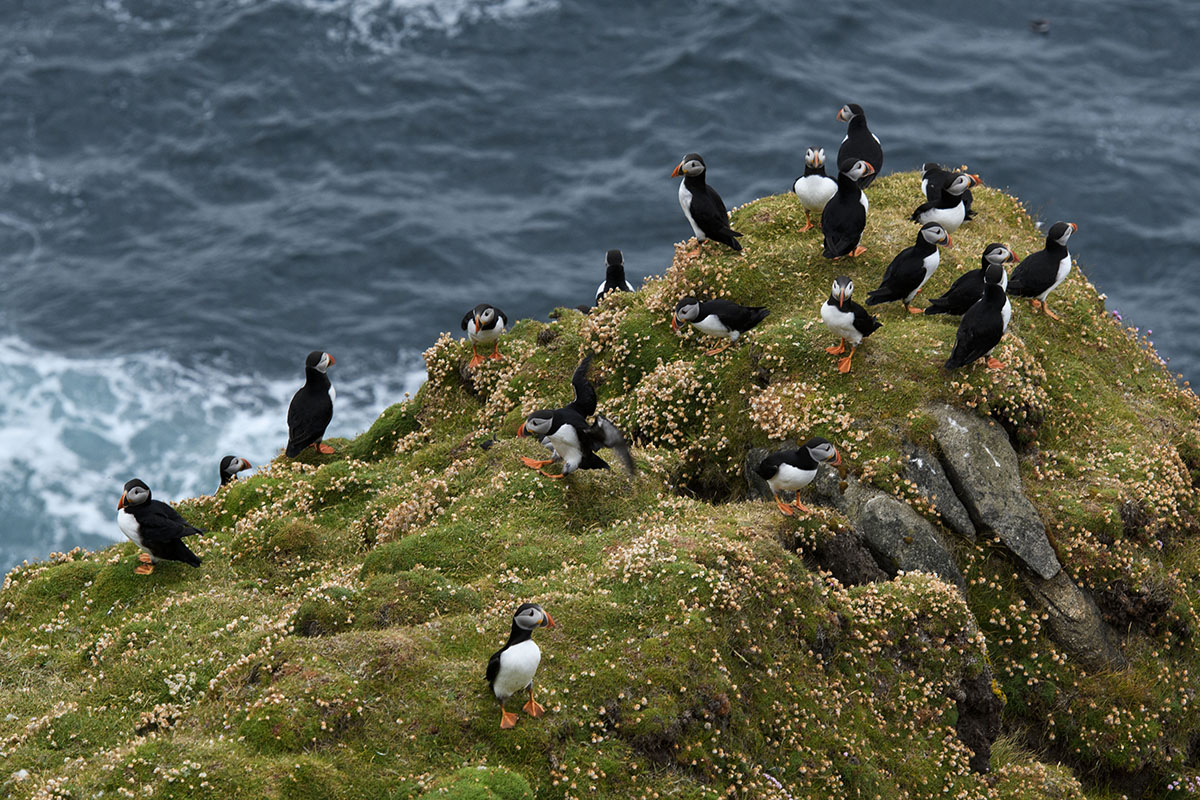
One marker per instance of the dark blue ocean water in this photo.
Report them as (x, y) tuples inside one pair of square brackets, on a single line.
[(195, 194)]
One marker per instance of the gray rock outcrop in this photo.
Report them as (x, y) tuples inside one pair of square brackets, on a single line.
[(922, 468)]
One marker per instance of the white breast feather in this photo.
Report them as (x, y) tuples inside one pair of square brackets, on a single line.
[(129, 526), (791, 479), (1064, 269), (517, 667), (484, 334), (566, 444), (1006, 313), (332, 393), (949, 218), (713, 326), (930, 265), (685, 201), (841, 323), (814, 191)]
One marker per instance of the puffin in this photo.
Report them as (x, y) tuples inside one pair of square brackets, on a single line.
[(703, 207), (860, 144), (721, 318), (155, 527), (845, 215), (949, 209), (484, 323), (792, 470), (814, 187), (569, 436), (911, 268), (1041, 272), (311, 408), (969, 286), (231, 466), (614, 275), (847, 319), (512, 667), (984, 324), (934, 176)]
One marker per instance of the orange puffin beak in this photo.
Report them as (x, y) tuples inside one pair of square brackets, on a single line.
[(549, 623), (678, 170), (331, 361), (121, 502), (837, 457), (870, 167), (949, 241), (476, 318), (521, 430), (840, 118), (841, 297), (674, 323), (1012, 258), (978, 181), (247, 463), (1074, 227)]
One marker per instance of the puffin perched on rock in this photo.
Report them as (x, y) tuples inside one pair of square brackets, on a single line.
[(724, 319), (911, 268), (984, 324), (155, 527), (814, 188), (969, 286), (792, 470), (512, 667), (860, 144), (847, 319), (311, 408), (934, 177), (949, 210), (702, 206), (231, 466), (614, 276), (1042, 272), (845, 215), (569, 436), (484, 323)]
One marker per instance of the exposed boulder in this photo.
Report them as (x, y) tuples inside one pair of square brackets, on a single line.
[(1075, 621), (922, 468), (978, 725), (901, 539), (846, 557)]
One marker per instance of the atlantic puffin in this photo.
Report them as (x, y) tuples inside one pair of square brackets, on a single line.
[(984, 324), (569, 436), (614, 275), (1042, 272), (969, 286), (155, 527), (814, 188), (934, 176), (311, 408), (911, 268), (844, 217), (512, 667), (847, 319), (724, 319), (703, 207), (949, 209), (792, 470), (860, 144), (231, 466), (484, 323)]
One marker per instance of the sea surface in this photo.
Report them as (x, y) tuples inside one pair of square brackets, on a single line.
[(193, 195)]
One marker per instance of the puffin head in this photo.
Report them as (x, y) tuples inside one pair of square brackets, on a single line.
[(536, 424), (928, 167), (997, 253), (530, 616), (319, 360), (614, 258), (686, 310), (134, 494), (849, 112), (814, 157), (843, 287), (935, 234), (1060, 232), (691, 166), (855, 170), (994, 274), (231, 466), (822, 450), (961, 183)]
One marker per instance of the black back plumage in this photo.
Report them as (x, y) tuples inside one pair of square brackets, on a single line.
[(614, 275), (734, 316), (844, 218), (800, 459), (905, 272), (162, 529), (1037, 272), (515, 636), (864, 322), (860, 144), (963, 293), (311, 409), (983, 324), (708, 209), (936, 178)]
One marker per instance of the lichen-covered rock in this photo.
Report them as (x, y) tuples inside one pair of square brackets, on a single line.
[(982, 467), (922, 468), (902, 539), (1075, 622)]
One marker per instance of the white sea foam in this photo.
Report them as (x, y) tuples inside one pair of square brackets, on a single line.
[(73, 430)]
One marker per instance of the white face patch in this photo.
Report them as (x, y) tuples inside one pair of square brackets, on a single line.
[(323, 364)]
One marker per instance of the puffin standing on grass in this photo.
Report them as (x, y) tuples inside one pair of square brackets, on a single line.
[(512, 667), (614, 276), (721, 318), (484, 323), (860, 144), (155, 527), (949, 209), (934, 177), (984, 324), (311, 408), (703, 207), (814, 188), (569, 436), (1042, 272), (969, 286), (792, 470), (844, 217), (911, 268), (847, 319), (231, 466)]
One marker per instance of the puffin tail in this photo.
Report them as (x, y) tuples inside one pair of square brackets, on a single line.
[(729, 238), (881, 295), (936, 306), (611, 437)]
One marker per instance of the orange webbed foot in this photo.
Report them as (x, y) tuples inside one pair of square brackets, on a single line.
[(533, 463), (534, 709), (323, 448), (144, 569), (784, 507), (496, 356), (858, 251), (837, 351), (800, 506), (548, 475), (716, 350), (1050, 314), (914, 309), (508, 719), (475, 361), (844, 363), (994, 364)]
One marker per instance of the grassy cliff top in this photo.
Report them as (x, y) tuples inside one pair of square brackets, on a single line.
[(333, 644)]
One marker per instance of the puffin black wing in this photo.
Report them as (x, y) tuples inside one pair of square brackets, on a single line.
[(584, 402), (735, 316), (467, 318), (864, 322), (493, 667), (606, 434), (961, 295), (980, 330), (915, 216), (1034, 275), (163, 530), (842, 223), (709, 212), (308, 416)]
